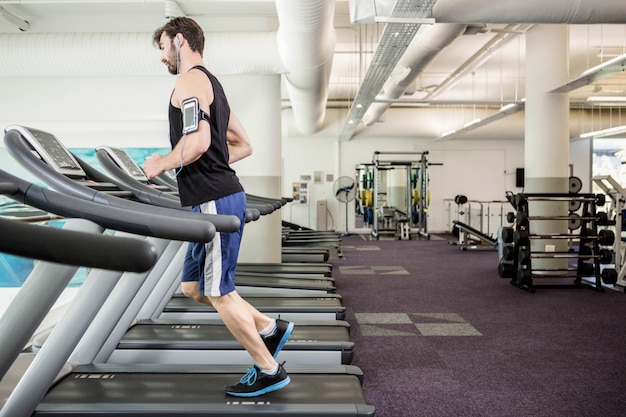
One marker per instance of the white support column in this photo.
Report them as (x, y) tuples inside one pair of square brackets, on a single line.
[(547, 133), (256, 101)]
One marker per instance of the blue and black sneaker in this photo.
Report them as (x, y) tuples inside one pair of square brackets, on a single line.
[(256, 383), (277, 340)]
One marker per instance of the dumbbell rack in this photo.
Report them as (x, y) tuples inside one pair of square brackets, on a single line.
[(516, 261), (617, 194)]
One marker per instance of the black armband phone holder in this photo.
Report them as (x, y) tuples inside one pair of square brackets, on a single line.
[(192, 114)]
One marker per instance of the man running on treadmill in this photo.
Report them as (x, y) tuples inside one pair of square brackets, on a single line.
[(211, 138)]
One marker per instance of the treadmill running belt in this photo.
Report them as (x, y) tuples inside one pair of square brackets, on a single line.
[(203, 336), (322, 270), (268, 305), (200, 394), (282, 282)]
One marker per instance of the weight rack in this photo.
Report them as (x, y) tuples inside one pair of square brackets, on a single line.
[(617, 199), (592, 251)]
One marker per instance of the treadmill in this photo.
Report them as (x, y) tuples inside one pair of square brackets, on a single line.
[(129, 176), (46, 157), (317, 339), (291, 308), (54, 386), (332, 335), (209, 342), (319, 270), (58, 249), (184, 335), (62, 170)]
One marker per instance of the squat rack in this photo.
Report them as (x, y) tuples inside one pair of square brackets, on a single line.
[(413, 217)]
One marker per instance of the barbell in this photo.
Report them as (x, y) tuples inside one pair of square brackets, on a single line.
[(604, 237), (608, 275), (574, 220), (604, 256), (521, 199)]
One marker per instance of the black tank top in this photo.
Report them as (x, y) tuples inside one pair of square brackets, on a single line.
[(210, 177)]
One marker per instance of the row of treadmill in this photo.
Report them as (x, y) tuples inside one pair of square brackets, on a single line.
[(129, 343)]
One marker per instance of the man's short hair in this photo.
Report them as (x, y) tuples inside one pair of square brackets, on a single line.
[(189, 28)]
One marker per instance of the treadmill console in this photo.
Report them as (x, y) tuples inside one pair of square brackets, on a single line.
[(125, 162), (50, 150)]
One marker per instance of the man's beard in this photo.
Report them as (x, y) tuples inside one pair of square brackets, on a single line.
[(172, 64)]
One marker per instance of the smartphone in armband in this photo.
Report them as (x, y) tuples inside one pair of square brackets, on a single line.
[(191, 111)]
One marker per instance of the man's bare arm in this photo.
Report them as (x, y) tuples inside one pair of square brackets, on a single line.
[(239, 145)]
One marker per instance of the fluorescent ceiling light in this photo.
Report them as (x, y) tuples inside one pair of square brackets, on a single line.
[(416, 20), (604, 132), (473, 122), (505, 111), (605, 64), (22, 24), (611, 99), (507, 106), (592, 75)]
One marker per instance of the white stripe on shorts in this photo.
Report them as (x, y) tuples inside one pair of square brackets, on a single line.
[(213, 260)]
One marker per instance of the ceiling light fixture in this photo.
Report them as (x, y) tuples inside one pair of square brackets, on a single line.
[(618, 60), (594, 74), (505, 111), (608, 99), (21, 24), (604, 132), (473, 122)]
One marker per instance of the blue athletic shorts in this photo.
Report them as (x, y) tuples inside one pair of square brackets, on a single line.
[(214, 264)]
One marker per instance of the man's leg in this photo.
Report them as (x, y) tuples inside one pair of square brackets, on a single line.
[(241, 320), (190, 290), (266, 375)]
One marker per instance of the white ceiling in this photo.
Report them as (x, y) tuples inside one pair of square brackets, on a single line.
[(499, 77)]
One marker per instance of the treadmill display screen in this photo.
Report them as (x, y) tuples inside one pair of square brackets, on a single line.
[(51, 150), (126, 163), (57, 152)]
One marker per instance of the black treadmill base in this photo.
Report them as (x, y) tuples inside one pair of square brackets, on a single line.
[(201, 394)]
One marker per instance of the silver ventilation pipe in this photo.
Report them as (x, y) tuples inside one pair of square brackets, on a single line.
[(128, 54), (530, 11), (306, 44), (172, 9)]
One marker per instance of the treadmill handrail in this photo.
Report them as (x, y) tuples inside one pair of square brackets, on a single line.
[(126, 180), (154, 196), (166, 180), (76, 248), (146, 224), (137, 189), (7, 188), (276, 203), (146, 193), (17, 146)]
